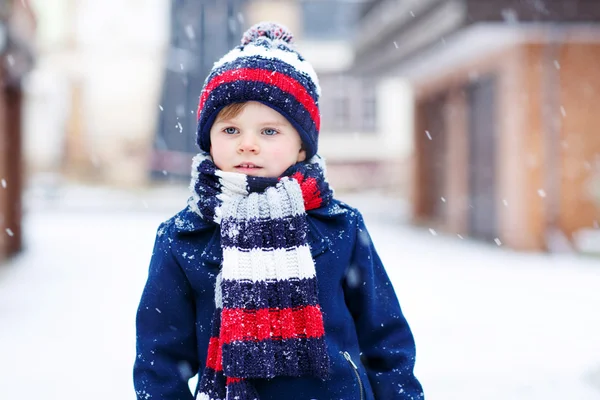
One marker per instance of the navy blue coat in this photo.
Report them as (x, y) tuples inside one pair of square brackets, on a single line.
[(369, 341)]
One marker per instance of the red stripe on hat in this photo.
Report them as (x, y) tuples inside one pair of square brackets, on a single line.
[(282, 81), (214, 359), (276, 324)]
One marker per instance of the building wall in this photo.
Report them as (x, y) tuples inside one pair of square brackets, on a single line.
[(525, 226), (10, 172), (550, 155), (518, 208), (5, 194), (580, 139), (18, 27), (548, 160)]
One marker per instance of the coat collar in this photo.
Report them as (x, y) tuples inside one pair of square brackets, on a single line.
[(188, 222)]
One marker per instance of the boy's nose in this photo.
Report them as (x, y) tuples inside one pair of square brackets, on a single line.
[(248, 144)]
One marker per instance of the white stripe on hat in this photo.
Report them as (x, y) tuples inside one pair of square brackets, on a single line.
[(273, 53)]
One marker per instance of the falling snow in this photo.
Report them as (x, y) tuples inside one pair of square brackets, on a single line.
[(189, 30), (497, 308)]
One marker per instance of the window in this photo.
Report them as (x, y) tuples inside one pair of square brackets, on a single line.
[(341, 113), (348, 104), (369, 106)]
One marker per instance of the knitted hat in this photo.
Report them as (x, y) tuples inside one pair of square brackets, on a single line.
[(264, 68)]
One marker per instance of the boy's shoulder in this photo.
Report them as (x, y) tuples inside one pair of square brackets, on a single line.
[(335, 209), (186, 220)]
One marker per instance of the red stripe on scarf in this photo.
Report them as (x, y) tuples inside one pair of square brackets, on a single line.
[(276, 324), (282, 81), (310, 191), (214, 358)]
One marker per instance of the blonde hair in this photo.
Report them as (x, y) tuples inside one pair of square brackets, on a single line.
[(231, 111)]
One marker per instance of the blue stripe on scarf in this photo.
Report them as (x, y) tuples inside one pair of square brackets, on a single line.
[(213, 384), (270, 358), (288, 293), (279, 233), (216, 325)]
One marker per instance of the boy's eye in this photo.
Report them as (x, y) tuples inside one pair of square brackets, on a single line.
[(270, 132), (230, 131)]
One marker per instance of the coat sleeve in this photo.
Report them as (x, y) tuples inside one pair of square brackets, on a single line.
[(385, 338), (165, 324)]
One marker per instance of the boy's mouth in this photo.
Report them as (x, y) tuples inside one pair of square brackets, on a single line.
[(247, 166)]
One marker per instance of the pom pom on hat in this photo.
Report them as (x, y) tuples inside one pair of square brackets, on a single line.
[(266, 68), (270, 30)]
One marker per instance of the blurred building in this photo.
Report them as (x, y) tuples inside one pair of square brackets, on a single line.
[(92, 100), (363, 119), (116, 88), (506, 113), (17, 27)]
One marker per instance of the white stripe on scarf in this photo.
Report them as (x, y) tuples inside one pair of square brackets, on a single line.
[(268, 265)]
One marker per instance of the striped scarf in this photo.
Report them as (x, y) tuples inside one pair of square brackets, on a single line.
[(267, 319)]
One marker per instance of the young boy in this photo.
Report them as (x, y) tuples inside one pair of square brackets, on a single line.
[(265, 285)]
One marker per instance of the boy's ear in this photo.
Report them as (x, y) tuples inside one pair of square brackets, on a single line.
[(301, 155)]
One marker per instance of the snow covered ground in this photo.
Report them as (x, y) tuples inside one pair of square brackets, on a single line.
[(489, 323)]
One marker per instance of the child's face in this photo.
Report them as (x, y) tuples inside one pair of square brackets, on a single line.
[(258, 141)]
